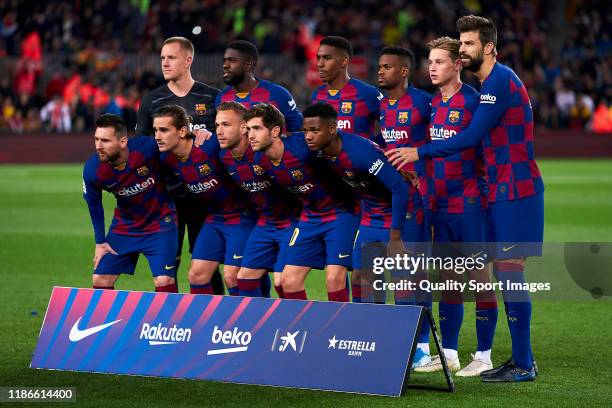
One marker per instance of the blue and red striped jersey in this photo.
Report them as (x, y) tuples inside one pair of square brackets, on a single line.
[(204, 175), (267, 92), (357, 104), (300, 171), (404, 123), (504, 122), (456, 183), (277, 206), (143, 204), (383, 192)]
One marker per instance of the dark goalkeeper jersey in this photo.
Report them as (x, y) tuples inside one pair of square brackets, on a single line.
[(199, 104)]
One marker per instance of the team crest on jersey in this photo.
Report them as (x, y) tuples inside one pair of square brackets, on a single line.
[(142, 171), (200, 108), (346, 107), (403, 117), (454, 116), (297, 174), (258, 169), (204, 169)]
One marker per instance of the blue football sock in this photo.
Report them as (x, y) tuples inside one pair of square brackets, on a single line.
[(486, 321), (235, 291), (266, 285), (451, 317), (518, 311)]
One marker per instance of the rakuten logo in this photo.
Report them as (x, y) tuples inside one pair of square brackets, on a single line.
[(158, 335), (487, 98), (202, 187), (136, 188), (393, 135), (300, 189), (256, 186), (344, 124), (238, 339), (441, 133)]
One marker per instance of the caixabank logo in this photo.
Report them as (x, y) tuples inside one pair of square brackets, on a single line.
[(289, 340), (353, 348)]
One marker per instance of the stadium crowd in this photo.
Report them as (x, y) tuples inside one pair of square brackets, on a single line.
[(562, 55)]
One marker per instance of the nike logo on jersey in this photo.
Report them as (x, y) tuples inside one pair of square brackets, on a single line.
[(168, 267), (506, 249), (342, 256), (238, 256), (77, 335)]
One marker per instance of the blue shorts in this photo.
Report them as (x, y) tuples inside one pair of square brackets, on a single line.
[(318, 244), (467, 229), (159, 248), (371, 242), (267, 248), (515, 229), (223, 243)]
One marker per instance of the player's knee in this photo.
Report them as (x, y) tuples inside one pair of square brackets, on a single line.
[(197, 275), (278, 279), (230, 275), (103, 280), (248, 273), (163, 280), (290, 283), (336, 281)]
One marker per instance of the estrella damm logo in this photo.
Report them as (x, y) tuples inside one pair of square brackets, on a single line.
[(258, 169), (143, 171), (200, 108), (454, 116), (403, 117), (346, 107), (204, 169), (297, 174)]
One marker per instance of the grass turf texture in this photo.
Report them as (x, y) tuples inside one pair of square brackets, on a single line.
[(46, 239)]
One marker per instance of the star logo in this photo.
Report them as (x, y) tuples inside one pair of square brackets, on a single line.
[(332, 342)]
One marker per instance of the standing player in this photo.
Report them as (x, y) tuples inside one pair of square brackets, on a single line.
[(326, 230), (356, 102), (279, 209), (229, 218), (144, 220), (384, 195), (239, 63), (404, 116), (515, 215), (197, 99), (457, 194)]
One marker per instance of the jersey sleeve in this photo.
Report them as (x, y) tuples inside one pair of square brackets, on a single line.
[(92, 194), (494, 101), (218, 99), (144, 124), (373, 100), (377, 164), (293, 117)]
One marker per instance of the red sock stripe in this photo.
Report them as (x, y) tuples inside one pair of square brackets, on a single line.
[(486, 305), (249, 284), (208, 290), (279, 291), (508, 267), (300, 295), (338, 296), (104, 287), (172, 288)]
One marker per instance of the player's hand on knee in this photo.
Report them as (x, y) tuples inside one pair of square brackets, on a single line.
[(101, 250), (410, 177), (201, 135)]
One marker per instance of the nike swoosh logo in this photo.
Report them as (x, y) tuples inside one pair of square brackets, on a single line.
[(168, 267), (78, 335), (232, 173), (475, 255), (238, 256), (506, 249), (343, 256)]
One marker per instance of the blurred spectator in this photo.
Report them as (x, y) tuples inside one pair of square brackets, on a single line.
[(56, 115)]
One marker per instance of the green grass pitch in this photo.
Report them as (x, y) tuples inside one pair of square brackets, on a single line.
[(46, 239)]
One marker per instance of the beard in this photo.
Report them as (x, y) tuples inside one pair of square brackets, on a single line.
[(474, 62), (234, 80)]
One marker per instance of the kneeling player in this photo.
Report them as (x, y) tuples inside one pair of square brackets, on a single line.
[(145, 218), (230, 217), (328, 222), (267, 244)]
